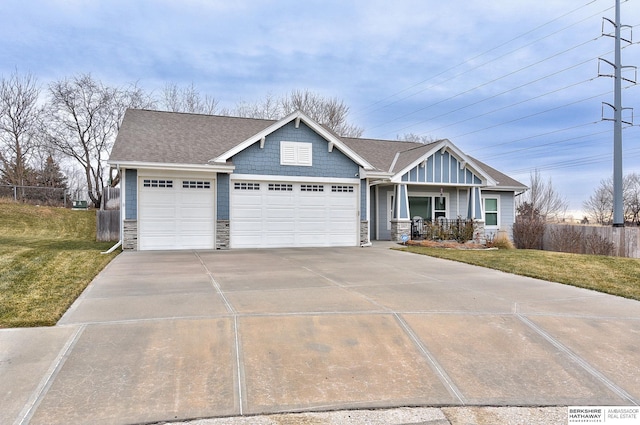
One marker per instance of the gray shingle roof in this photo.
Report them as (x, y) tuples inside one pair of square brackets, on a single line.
[(179, 138)]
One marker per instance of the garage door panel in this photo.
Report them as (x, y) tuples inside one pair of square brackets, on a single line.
[(176, 214), (297, 214), (159, 213), (280, 212)]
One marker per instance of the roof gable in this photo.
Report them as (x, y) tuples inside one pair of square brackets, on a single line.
[(440, 162), (333, 140)]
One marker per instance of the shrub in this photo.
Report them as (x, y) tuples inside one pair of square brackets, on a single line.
[(528, 232), (597, 245), (566, 239), (501, 241)]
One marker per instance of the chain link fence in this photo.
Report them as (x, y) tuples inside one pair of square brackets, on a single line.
[(38, 195)]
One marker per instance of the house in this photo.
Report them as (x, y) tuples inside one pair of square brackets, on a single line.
[(216, 182)]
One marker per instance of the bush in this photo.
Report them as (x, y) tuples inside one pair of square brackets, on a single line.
[(572, 240), (566, 239), (597, 245), (500, 241), (528, 232)]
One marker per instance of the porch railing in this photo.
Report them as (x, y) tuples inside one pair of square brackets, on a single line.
[(459, 229)]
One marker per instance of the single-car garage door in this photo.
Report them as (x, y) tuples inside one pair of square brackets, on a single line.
[(175, 213), (285, 214)]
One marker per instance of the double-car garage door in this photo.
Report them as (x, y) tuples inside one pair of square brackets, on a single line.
[(285, 214), (179, 213)]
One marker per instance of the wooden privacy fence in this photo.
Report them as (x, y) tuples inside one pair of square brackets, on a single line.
[(108, 225), (623, 241)]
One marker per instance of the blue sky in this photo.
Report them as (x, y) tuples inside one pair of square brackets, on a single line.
[(512, 83)]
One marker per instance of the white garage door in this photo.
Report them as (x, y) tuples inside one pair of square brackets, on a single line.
[(175, 213), (283, 214)]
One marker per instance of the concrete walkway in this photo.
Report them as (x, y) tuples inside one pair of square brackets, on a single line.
[(170, 336)]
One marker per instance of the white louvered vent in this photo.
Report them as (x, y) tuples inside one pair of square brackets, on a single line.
[(296, 153)]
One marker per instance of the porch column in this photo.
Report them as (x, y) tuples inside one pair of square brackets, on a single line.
[(474, 212), (400, 222)]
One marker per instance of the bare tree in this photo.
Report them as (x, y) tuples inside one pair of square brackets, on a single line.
[(542, 197), (83, 117), (269, 108), (413, 137), (20, 117), (330, 112), (187, 99), (631, 195), (599, 206)]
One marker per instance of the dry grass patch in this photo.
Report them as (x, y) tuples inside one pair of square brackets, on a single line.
[(612, 275), (48, 256)]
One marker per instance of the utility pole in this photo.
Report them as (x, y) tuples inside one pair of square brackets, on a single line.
[(618, 200)]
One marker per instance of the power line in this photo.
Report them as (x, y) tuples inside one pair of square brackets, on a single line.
[(554, 143), (534, 136), (490, 82), (510, 106), (492, 60), (532, 115)]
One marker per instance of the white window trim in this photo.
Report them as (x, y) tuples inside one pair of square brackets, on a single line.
[(484, 213), (445, 195), (296, 153)]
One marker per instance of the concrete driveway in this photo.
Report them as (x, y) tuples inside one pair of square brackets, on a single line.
[(161, 336)]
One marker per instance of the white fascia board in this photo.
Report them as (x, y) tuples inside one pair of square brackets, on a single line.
[(375, 174), (297, 115), (448, 145), (292, 179), (506, 188), (217, 168)]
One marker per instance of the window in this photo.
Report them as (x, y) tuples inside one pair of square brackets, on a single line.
[(439, 206), (157, 183), (191, 184), (491, 211), (281, 187), (296, 153), (246, 186), (428, 207), (345, 189), (311, 188)]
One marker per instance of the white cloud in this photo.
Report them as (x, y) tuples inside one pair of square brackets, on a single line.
[(396, 64)]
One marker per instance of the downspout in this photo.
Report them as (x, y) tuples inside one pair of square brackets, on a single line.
[(113, 248)]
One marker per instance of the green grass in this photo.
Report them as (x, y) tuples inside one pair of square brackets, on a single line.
[(47, 258), (612, 275)]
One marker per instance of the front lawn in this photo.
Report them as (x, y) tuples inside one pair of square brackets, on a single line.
[(612, 275), (48, 256)]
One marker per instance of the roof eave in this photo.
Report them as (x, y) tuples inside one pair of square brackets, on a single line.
[(216, 168)]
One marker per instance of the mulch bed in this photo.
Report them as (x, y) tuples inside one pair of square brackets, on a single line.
[(447, 244)]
